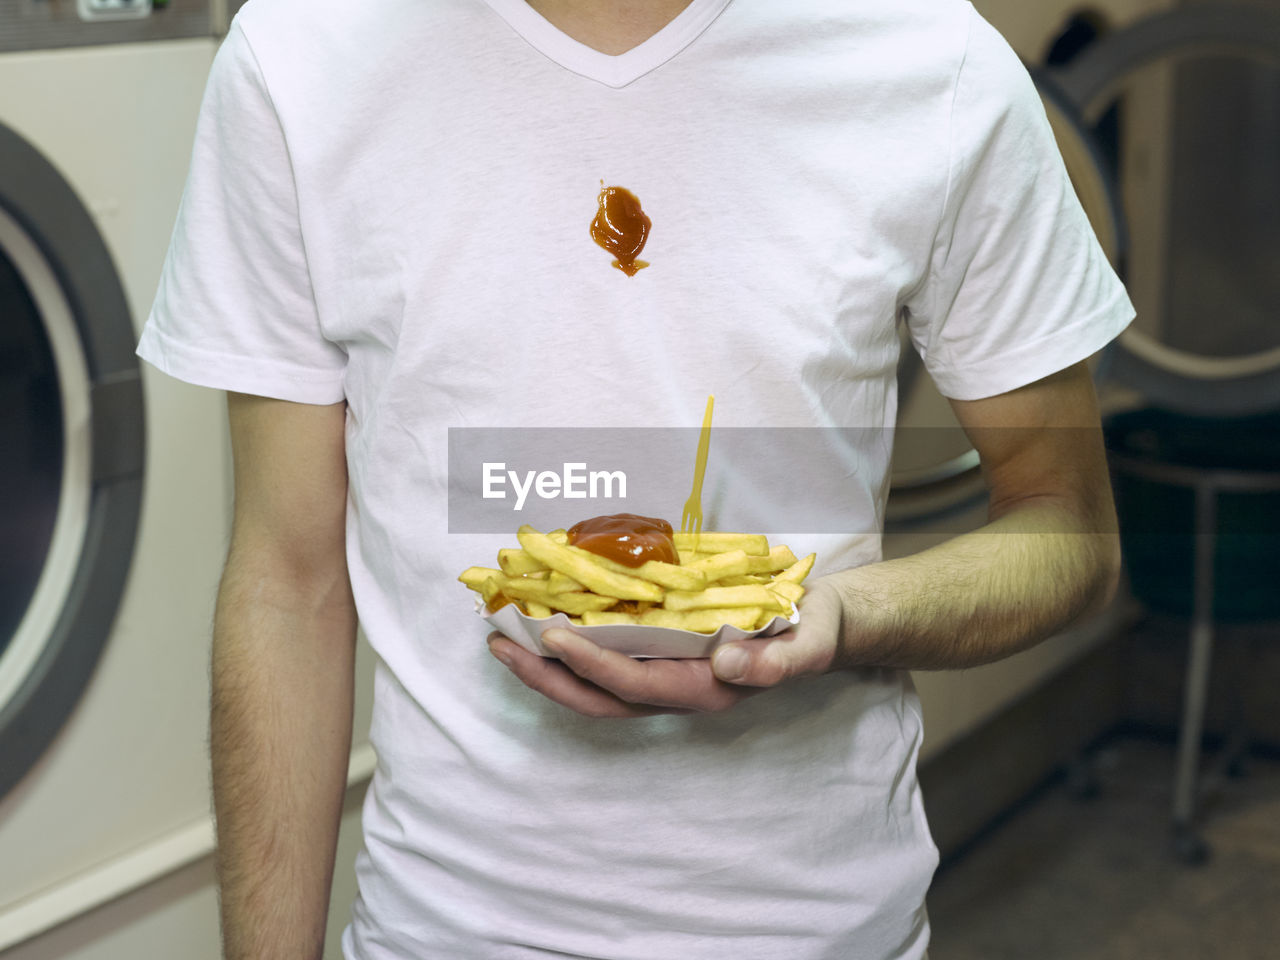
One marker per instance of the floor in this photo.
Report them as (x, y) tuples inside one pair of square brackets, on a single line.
[(1069, 879)]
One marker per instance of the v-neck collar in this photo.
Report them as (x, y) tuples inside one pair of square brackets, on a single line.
[(611, 70)]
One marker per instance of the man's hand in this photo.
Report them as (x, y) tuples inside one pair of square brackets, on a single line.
[(1048, 556), (603, 683)]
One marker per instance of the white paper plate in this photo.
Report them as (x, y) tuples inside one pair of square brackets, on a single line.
[(632, 639)]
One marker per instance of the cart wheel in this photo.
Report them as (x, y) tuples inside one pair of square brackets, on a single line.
[(1189, 847)]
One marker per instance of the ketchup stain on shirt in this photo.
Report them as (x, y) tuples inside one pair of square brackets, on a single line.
[(621, 227)]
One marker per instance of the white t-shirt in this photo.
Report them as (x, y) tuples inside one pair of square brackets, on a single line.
[(389, 204)]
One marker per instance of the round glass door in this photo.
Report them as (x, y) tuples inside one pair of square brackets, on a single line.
[(30, 448), (71, 451), (45, 437)]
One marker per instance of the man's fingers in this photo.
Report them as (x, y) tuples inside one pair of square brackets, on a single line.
[(767, 661), (809, 648), (677, 685), (751, 663), (557, 682)]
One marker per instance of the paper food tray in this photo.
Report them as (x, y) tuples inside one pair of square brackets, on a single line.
[(633, 639)]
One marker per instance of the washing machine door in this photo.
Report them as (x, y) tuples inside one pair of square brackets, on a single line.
[(1220, 196), (936, 482), (71, 451)]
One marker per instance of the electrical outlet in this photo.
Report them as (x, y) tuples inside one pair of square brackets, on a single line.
[(113, 9)]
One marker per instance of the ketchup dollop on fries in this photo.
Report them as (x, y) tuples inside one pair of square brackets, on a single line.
[(713, 578), (628, 538)]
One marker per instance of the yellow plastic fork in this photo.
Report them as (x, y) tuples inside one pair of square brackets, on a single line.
[(691, 518)]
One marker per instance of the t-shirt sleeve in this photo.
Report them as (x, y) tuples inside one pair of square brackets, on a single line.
[(1018, 286), (235, 308)]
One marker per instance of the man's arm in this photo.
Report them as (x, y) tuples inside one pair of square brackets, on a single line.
[(283, 668), (1049, 554)]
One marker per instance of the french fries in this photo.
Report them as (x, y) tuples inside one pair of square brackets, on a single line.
[(732, 578), (752, 544), (474, 577), (580, 565), (751, 595)]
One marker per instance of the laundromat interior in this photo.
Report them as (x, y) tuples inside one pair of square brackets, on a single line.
[(1111, 794)]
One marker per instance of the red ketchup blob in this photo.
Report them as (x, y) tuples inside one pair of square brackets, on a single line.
[(626, 538)]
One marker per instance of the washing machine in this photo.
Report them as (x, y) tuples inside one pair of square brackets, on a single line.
[(1198, 86), (114, 483)]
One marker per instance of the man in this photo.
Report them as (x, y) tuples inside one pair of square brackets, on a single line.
[(384, 236)]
